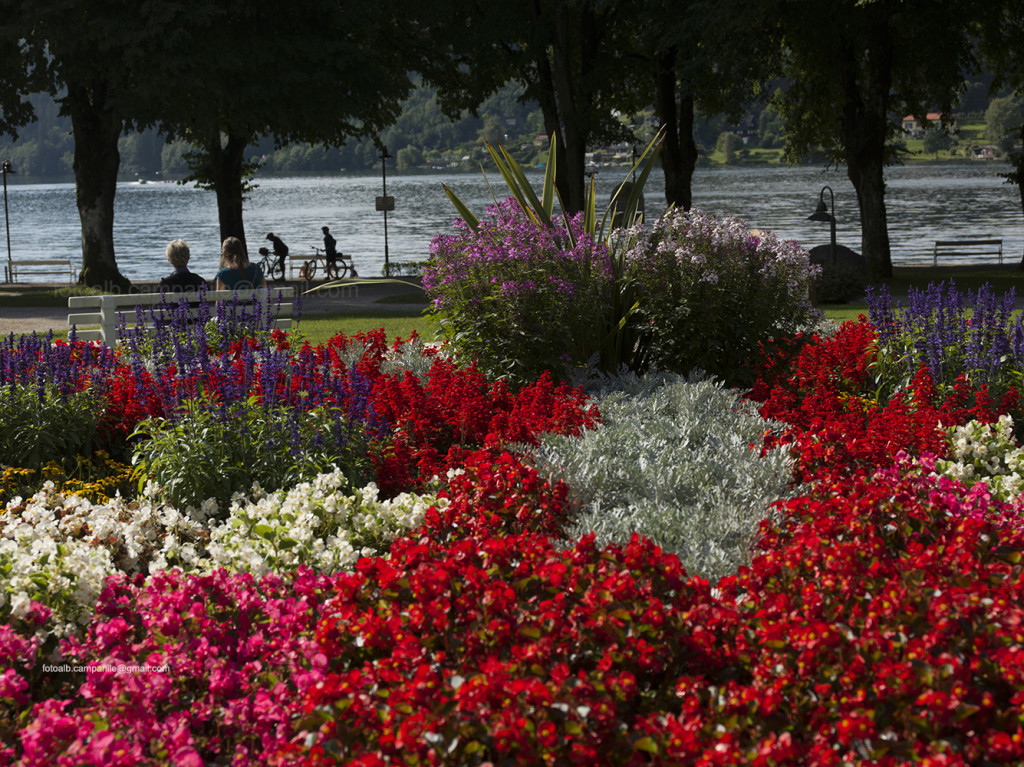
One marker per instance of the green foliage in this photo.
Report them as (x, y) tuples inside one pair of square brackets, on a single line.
[(316, 524), (38, 425), (409, 157), (710, 292), (1003, 120), (936, 140), (729, 146), (672, 461), (579, 299), (513, 294), (248, 444)]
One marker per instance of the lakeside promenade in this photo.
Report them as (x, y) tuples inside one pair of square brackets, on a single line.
[(369, 294)]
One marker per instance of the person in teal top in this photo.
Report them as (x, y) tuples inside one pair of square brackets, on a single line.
[(236, 273)]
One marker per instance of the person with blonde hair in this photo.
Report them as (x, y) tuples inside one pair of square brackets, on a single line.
[(236, 273), (181, 278)]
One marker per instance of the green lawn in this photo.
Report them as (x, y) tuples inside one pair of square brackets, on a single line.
[(318, 328)]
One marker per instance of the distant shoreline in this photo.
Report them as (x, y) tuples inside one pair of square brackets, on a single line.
[(14, 181)]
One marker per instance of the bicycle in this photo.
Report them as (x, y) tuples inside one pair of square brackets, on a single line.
[(272, 265), (343, 266)]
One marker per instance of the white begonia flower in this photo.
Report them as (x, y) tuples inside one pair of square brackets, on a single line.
[(20, 604)]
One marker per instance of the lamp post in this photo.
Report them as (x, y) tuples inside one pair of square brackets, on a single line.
[(385, 204), (821, 214), (7, 220)]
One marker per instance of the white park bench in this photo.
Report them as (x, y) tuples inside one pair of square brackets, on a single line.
[(105, 311), (50, 267), (968, 249)]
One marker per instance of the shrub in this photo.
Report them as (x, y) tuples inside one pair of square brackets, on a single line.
[(518, 296), (672, 461), (711, 291), (39, 424), (839, 284), (206, 454)]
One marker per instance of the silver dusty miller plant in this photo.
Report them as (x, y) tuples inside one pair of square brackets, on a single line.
[(676, 460)]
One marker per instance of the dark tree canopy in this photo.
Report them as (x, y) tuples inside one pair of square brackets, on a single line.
[(314, 71), (573, 57), (1002, 45), (704, 60), (103, 61), (854, 67), (220, 73)]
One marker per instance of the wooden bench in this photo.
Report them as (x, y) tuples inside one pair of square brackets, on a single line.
[(105, 311), (45, 266), (968, 248)]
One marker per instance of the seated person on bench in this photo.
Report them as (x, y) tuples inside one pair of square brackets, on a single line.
[(181, 278), (236, 273)]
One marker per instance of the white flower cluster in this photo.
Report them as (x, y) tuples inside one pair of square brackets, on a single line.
[(981, 452), (58, 550), (315, 524)]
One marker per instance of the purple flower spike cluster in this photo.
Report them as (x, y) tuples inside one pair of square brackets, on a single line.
[(979, 334)]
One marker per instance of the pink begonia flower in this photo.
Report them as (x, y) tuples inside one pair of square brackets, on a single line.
[(13, 686)]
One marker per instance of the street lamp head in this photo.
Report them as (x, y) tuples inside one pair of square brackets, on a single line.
[(821, 213), (7, 168)]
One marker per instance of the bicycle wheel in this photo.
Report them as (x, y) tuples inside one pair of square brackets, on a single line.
[(309, 270), (276, 270)]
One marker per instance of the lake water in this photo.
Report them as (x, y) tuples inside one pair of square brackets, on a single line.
[(924, 203)]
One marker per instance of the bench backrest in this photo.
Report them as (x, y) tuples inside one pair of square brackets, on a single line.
[(105, 311), (968, 247)]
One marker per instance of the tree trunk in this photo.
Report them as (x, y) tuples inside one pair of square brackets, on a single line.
[(574, 127), (869, 183), (1016, 176), (226, 178), (96, 131), (865, 136), (678, 150)]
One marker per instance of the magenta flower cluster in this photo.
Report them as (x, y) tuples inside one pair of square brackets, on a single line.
[(180, 667), (518, 296)]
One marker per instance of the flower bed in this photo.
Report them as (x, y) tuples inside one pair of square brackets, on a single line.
[(877, 617)]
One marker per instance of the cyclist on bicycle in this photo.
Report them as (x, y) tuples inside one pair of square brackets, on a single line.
[(280, 250), (331, 252)]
